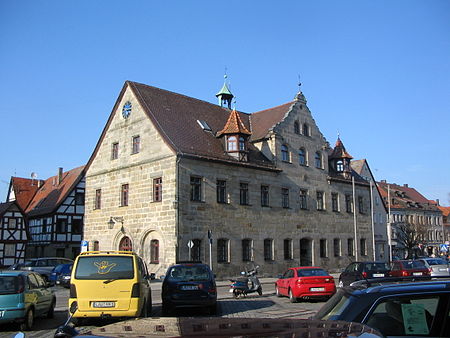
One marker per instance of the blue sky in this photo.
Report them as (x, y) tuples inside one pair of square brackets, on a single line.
[(376, 72)]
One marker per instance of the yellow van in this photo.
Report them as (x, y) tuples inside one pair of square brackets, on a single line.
[(110, 284)]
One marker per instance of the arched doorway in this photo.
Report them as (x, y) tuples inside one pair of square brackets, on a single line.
[(305, 252), (125, 244)]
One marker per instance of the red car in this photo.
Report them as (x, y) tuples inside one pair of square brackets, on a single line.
[(405, 268), (306, 282)]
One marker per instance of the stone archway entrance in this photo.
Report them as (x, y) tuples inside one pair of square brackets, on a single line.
[(306, 252), (125, 244)]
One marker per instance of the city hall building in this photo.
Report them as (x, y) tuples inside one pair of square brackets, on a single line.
[(175, 178)]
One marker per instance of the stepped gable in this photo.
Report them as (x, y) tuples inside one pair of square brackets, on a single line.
[(51, 194), (265, 120)]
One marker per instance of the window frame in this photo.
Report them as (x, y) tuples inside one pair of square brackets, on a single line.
[(124, 194), (98, 199), (223, 250), (157, 189), (285, 198), (303, 195), (136, 144), (302, 154), (244, 196), (323, 248), (247, 250), (320, 198), (268, 250), (288, 249), (115, 151), (221, 191), (285, 153), (196, 184), (335, 201), (265, 201), (154, 251), (318, 161)]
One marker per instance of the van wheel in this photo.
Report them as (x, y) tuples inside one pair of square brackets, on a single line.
[(29, 320)]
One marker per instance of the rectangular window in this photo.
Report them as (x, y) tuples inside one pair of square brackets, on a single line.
[(98, 199), (124, 195), (79, 198), (136, 145), (157, 189), (12, 223), (221, 188), (303, 199), (196, 250), (348, 203), (222, 250), (196, 189), (350, 247), (243, 194), (320, 201), (10, 251), (115, 151), (247, 250), (335, 201), (285, 197), (323, 248), (363, 247), (61, 226), (287, 244), (268, 249), (360, 204), (264, 195), (77, 226), (337, 247)]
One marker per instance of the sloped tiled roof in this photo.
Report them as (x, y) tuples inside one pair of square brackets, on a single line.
[(339, 151), (51, 194), (405, 197), (175, 116), (357, 165), (4, 207), (263, 121), (445, 210), (24, 190), (234, 125)]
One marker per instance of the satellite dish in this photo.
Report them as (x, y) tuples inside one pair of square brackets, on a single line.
[(33, 175)]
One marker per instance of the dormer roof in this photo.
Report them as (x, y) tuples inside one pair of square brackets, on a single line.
[(234, 125), (339, 151)]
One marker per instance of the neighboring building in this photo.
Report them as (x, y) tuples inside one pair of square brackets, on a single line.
[(445, 224), (13, 234), (379, 212), (408, 207), (167, 168), (54, 210)]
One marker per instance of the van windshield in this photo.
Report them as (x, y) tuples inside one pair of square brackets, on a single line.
[(9, 285), (104, 267)]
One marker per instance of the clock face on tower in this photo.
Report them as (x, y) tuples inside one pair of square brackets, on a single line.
[(126, 110)]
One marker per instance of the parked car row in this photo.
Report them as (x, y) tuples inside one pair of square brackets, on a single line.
[(422, 267)]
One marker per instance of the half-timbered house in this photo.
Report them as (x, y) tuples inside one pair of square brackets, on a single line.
[(13, 234), (55, 213)]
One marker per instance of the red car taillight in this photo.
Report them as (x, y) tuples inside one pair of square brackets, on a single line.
[(299, 281), (364, 274), (404, 273)]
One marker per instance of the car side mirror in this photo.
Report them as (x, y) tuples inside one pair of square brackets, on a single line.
[(280, 276)]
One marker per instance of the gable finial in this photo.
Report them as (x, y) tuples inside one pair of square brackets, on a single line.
[(299, 84)]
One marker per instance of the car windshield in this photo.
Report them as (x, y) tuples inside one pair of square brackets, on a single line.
[(413, 264), (311, 272), (9, 285), (377, 267), (28, 263), (188, 273), (334, 307), (105, 267), (436, 261)]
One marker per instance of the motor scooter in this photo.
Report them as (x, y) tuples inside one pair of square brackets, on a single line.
[(68, 329), (249, 283)]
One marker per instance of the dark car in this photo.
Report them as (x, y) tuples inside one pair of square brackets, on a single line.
[(363, 270), (42, 265), (404, 268), (61, 275), (395, 308), (189, 285)]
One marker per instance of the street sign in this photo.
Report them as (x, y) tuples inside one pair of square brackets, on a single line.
[(190, 244), (443, 247), (84, 246)]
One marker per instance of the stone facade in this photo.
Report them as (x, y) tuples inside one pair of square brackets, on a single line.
[(279, 235)]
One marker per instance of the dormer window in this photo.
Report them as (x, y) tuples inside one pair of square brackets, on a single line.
[(242, 146), (232, 143), (339, 166)]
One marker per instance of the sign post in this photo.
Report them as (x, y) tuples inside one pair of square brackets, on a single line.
[(84, 246), (190, 245), (210, 248)]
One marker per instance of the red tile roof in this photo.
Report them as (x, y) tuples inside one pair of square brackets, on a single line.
[(24, 190), (51, 194), (405, 197), (263, 121), (339, 151), (234, 125)]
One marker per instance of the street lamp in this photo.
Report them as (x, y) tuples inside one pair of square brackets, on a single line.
[(113, 220)]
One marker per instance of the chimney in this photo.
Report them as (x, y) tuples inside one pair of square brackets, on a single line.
[(405, 185), (60, 175), (383, 181), (437, 201)]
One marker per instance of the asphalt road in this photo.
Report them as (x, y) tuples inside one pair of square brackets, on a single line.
[(253, 306)]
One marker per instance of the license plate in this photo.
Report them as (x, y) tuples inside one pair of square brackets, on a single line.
[(104, 304), (317, 289), (378, 274), (442, 269), (189, 287), (417, 273)]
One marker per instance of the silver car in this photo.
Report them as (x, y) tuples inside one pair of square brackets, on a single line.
[(437, 266)]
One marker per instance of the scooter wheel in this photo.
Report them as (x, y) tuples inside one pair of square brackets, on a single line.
[(260, 291), (236, 294)]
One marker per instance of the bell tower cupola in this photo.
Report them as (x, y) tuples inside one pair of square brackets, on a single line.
[(340, 160), (224, 95)]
